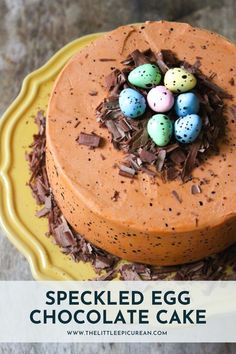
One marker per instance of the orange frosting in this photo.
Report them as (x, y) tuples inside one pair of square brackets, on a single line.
[(146, 223)]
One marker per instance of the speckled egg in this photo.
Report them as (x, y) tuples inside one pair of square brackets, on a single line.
[(188, 128), (132, 103), (186, 103), (160, 99), (179, 80), (160, 129), (145, 76)]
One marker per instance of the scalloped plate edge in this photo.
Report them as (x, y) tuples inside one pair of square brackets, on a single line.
[(41, 267)]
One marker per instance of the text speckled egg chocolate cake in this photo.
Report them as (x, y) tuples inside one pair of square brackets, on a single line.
[(138, 173)]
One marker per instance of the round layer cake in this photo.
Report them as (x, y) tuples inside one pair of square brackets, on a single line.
[(143, 219)]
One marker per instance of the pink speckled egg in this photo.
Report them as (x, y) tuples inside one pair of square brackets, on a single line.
[(160, 99)]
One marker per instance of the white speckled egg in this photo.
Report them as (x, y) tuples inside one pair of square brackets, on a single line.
[(132, 103), (187, 128), (160, 99), (179, 80)]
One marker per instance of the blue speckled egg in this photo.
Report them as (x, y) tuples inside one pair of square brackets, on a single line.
[(186, 103), (188, 128), (132, 103)]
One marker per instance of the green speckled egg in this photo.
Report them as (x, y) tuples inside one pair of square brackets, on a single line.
[(179, 80), (160, 129), (145, 76)]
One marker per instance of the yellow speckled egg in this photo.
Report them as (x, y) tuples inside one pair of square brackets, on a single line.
[(179, 80)]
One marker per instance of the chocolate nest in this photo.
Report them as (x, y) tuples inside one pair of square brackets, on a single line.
[(106, 265), (175, 160)]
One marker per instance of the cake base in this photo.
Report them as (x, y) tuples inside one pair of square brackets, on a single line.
[(151, 221), (221, 266)]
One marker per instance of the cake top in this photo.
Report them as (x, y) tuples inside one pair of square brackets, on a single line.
[(163, 113), (145, 201)]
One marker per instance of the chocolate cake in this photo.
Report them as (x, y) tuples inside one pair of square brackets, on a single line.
[(141, 202)]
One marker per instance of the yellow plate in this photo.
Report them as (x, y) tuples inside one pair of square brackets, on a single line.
[(17, 206)]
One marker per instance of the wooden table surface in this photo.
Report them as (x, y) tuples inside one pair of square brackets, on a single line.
[(30, 32)]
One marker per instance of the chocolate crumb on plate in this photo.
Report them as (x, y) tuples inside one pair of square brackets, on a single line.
[(128, 272), (47, 207), (63, 235)]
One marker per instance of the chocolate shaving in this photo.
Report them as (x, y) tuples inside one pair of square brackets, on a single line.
[(177, 197), (178, 156), (148, 171), (195, 189), (161, 64), (128, 272), (127, 171), (211, 85), (160, 160), (133, 161), (76, 124), (112, 127), (170, 58), (93, 93), (47, 207), (139, 58), (111, 79), (36, 159), (147, 156), (233, 111), (172, 173), (231, 81), (90, 140), (115, 196), (102, 262), (110, 275), (139, 139), (63, 235), (103, 157), (107, 59), (171, 147), (190, 160)]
